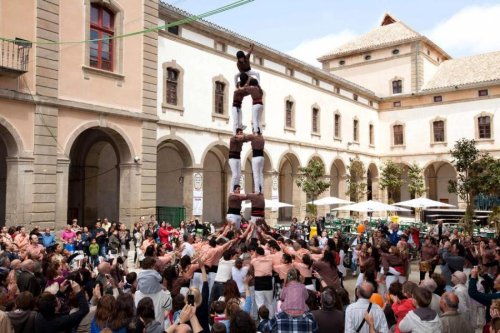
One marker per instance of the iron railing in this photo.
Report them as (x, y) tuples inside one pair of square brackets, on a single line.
[(15, 55)]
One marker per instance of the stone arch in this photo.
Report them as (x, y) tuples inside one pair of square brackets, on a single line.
[(173, 172), (118, 135), (288, 191), (181, 145), (372, 182), (13, 141), (218, 144), (338, 173), (12, 178), (216, 179), (437, 174), (100, 177)]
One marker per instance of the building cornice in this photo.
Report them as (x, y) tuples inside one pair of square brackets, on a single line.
[(226, 135), (76, 105)]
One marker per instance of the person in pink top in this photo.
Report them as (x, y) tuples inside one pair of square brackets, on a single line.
[(68, 235), (35, 250), (22, 240), (262, 268), (294, 295)]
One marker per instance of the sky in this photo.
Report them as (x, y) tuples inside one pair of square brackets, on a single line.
[(308, 29)]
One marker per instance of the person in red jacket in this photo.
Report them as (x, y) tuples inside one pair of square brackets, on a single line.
[(164, 234), (401, 300)]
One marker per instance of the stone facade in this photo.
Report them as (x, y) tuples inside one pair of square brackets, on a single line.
[(86, 143)]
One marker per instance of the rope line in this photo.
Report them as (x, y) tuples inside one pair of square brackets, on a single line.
[(162, 27)]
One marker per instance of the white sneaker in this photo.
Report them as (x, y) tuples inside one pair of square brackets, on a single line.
[(243, 127)]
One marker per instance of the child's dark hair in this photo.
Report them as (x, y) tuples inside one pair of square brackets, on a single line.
[(131, 277), (263, 312)]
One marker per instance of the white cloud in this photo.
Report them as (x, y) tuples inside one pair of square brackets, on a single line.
[(310, 50), (472, 30)]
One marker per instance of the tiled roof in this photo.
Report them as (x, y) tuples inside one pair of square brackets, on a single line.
[(385, 35), (337, 79), (475, 69)]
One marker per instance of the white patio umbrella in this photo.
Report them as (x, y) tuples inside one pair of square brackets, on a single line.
[(329, 201), (270, 204), (422, 203), (372, 206)]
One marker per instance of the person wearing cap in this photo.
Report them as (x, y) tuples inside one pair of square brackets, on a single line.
[(243, 64)]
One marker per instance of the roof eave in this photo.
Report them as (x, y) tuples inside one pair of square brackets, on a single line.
[(463, 86), (233, 37), (369, 48)]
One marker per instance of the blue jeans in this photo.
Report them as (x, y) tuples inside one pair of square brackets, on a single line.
[(103, 250)]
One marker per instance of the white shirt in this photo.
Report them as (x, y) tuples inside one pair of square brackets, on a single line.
[(188, 250), (224, 270), (464, 301), (354, 316), (238, 276), (162, 302)]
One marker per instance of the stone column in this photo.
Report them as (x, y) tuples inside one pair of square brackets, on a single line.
[(62, 179), (130, 193), (45, 163), (19, 191), (148, 168)]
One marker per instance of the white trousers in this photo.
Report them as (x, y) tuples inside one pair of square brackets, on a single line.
[(197, 281), (258, 173), (237, 118), (249, 73), (236, 219), (235, 165), (265, 297), (256, 115)]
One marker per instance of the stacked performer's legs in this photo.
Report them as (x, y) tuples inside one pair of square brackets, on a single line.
[(256, 114), (237, 118), (258, 173), (234, 219), (235, 165)]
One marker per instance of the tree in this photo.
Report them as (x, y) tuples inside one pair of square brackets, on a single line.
[(390, 179), (416, 184), (356, 188), (312, 183), (465, 154)]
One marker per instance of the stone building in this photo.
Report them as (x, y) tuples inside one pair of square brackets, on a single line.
[(114, 128)]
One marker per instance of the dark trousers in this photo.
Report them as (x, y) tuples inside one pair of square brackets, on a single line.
[(216, 292), (422, 274)]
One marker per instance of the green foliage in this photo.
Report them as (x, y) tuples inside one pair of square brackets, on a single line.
[(390, 178), (356, 171), (311, 181), (465, 154), (416, 183)]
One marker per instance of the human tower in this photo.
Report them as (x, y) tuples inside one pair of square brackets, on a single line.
[(247, 83)]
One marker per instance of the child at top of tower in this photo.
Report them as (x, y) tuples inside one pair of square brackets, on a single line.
[(243, 64)]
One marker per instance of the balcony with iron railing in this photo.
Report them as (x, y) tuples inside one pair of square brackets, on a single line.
[(14, 57)]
